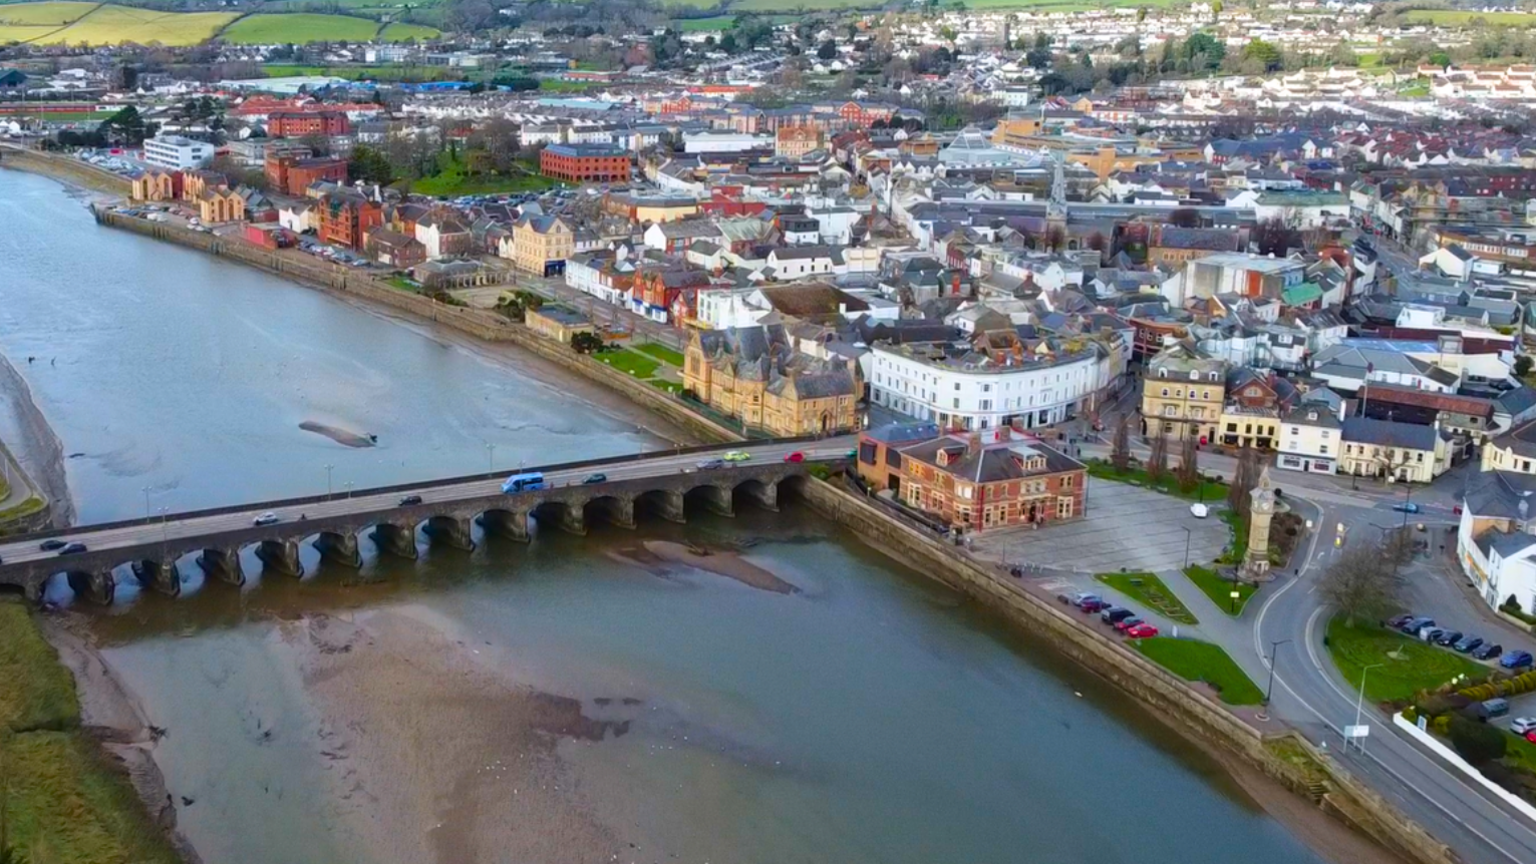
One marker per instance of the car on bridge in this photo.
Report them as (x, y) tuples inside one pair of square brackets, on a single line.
[(737, 456), (53, 545), (712, 463), (267, 518), (72, 549), (796, 456), (599, 477), (409, 500)]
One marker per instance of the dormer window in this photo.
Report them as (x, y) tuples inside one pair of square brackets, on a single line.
[(1213, 376), (1194, 376), (1162, 373)]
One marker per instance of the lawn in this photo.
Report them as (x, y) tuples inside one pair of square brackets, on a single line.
[(716, 22), (111, 25), (1150, 591), (451, 181), (403, 284), (669, 386), (44, 14), (1194, 660), (1213, 491), (300, 27), (555, 85), (39, 692), (393, 72), (1219, 589), (626, 360), (662, 353), (1462, 18), (398, 32), (1413, 667)]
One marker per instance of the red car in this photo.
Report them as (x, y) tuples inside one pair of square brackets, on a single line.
[(796, 456), (1531, 736), (1125, 624), (1141, 631)]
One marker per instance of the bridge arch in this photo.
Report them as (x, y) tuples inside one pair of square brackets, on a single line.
[(449, 529), (560, 514), (715, 498), (614, 509), (505, 522), (95, 586), (763, 493), (669, 504)]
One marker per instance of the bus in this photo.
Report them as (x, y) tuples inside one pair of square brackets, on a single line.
[(523, 482)]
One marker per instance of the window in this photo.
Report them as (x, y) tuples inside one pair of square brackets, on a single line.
[(1322, 449), (1206, 395), (957, 403), (957, 385), (1194, 376), (1063, 508), (1295, 430), (1162, 373), (1165, 391), (1066, 482)]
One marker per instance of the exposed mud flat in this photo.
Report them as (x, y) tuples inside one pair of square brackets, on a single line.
[(655, 556), (345, 437)]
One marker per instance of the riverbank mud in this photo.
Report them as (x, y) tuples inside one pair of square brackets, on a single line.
[(655, 556), (344, 437)]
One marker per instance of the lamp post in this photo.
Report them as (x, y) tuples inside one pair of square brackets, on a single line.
[(328, 469), (490, 458), (1188, 534), (1269, 691), (147, 512), (348, 487), (1360, 699)]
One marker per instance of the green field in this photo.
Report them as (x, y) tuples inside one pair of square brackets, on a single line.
[(629, 361), (1408, 665), (44, 14), (111, 25), (74, 23), (1150, 591), (1461, 18), (396, 32), (1219, 589), (451, 181), (717, 22), (555, 85), (1194, 660), (662, 353), (300, 27), (393, 72), (1209, 490)]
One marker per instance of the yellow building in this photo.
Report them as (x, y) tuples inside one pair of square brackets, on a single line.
[(220, 205), (1182, 393), (557, 322), (755, 376), (1241, 426), (156, 186), (540, 244)]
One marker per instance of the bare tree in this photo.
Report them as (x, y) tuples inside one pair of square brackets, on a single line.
[(1189, 465), (1244, 478), (1157, 460), (1120, 452), (1362, 583)]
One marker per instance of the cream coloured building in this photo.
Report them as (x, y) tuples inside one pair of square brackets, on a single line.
[(1183, 392)]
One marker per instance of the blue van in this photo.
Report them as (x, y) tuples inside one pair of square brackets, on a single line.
[(523, 482)]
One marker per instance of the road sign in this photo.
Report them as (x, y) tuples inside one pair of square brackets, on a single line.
[(1361, 731), (1423, 723)]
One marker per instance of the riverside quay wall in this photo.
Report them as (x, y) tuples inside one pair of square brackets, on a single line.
[(479, 323), (65, 168), (1307, 772)]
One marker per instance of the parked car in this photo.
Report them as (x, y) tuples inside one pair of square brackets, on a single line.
[(1079, 598), (1492, 709), (1092, 606), (737, 456), (1448, 637), (1141, 631), (1531, 736), (1127, 623), (1414, 625), (599, 477), (53, 545), (1488, 651), (1517, 660), (712, 463), (1406, 507), (1430, 634), (72, 549), (267, 518), (1522, 725), (1115, 614), (1467, 644), (796, 456), (1397, 621), (409, 500)]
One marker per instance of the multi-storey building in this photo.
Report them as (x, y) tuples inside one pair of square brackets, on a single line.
[(754, 375), (291, 174), (175, 151), (585, 163), (541, 244), (295, 124), (346, 217), (1182, 394)]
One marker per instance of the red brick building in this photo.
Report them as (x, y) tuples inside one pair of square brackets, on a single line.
[(983, 480), (294, 124), (291, 176), (346, 218), (585, 163)]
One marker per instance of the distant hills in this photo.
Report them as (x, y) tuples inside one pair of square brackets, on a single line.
[(70, 22)]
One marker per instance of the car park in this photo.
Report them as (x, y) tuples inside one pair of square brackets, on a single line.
[(1141, 631), (1079, 598), (1488, 651), (1517, 660), (1414, 625), (1467, 645)]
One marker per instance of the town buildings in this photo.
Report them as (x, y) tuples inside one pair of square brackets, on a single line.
[(756, 376), (292, 175), (178, 152), (585, 163), (1183, 392), (540, 244), (297, 124), (346, 218)]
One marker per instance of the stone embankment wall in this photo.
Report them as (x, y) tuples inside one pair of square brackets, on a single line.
[(1308, 772), (476, 322), (65, 168)]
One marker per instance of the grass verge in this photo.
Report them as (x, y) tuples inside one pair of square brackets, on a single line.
[(1220, 589), (1406, 665), (1194, 660), (669, 386), (39, 692), (1149, 590), (629, 362), (662, 353), (1213, 492)]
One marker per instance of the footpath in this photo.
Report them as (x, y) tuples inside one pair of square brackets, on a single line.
[(23, 507)]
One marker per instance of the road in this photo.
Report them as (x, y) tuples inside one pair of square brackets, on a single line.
[(606, 313), (173, 528)]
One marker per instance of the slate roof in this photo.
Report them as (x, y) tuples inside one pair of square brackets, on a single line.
[(1389, 433), (992, 463)]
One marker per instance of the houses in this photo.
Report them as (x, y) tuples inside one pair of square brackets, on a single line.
[(292, 175), (300, 217), (1311, 439), (443, 234), (540, 244), (1183, 391), (397, 250), (1404, 452), (983, 480), (754, 375), (220, 204), (1494, 540), (155, 185)]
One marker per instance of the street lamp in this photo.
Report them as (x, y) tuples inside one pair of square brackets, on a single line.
[(1188, 534), (1360, 699), (348, 487), (490, 458), (1270, 690), (147, 512), (328, 469)]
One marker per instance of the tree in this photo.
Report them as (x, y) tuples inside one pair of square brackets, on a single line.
[(1055, 238), (1477, 742), (1274, 237), (1360, 583), (1189, 465), (1120, 452), (1157, 460), (828, 50), (1204, 51), (127, 127), (318, 143), (1184, 217), (1265, 52), (1523, 365), (370, 166), (1039, 58), (1244, 478), (586, 343)]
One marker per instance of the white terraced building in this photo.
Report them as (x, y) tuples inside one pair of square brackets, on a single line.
[(921, 382)]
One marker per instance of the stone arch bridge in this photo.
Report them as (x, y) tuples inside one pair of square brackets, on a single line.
[(150, 549)]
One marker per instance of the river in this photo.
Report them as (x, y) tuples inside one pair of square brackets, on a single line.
[(572, 699)]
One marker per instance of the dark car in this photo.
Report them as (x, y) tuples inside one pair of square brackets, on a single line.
[(1488, 651), (72, 549), (1409, 507), (1397, 621), (53, 545), (1467, 644), (1092, 606), (1115, 614), (1414, 625), (1448, 637), (709, 464), (1517, 660), (596, 478), (409, 500)]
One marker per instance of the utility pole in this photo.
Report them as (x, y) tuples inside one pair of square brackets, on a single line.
[(1360, 700), (1187, 535), (328, 481), (1274, 645)]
